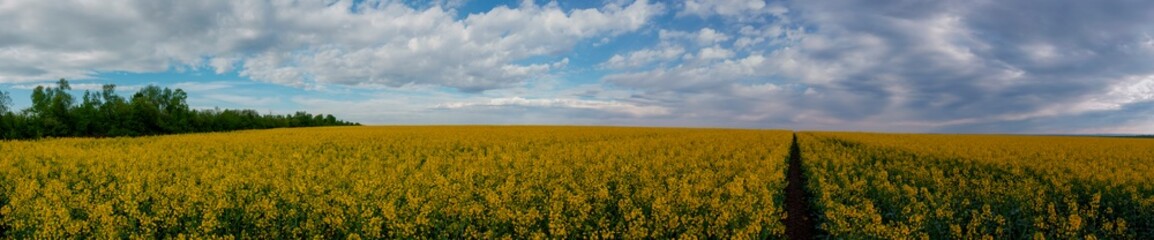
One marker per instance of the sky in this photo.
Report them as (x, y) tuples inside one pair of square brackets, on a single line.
[(965, 66)]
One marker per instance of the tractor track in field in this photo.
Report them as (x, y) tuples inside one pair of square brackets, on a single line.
[(799, 220)]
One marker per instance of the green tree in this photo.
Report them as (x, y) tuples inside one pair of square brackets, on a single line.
[(151, 110), (61, 104), (88, 119), (5, 102), (115, 113), (50, 108), (178, 112), (6, 118)]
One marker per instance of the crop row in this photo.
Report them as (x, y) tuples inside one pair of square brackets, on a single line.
[(905, 186)]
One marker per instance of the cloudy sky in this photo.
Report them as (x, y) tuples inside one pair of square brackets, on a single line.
[(1019, 66)]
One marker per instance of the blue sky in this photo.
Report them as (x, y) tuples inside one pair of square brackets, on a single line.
[(1018, 66)]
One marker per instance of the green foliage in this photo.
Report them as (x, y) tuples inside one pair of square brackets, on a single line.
[(5, 102), (151, 111)]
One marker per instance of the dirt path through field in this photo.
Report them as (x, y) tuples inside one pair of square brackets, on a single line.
[(799, 222)]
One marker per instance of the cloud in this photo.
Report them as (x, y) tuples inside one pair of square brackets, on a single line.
[(708, 36), (94, 87), (892, 65), (1127, 91), (726, 8), (645, 57), (243, 100), (901, 65), (424, 107), (710, 69), (204, 86), (606, 106), (703, 37), (222, 65), (304, 43), (946, 61)]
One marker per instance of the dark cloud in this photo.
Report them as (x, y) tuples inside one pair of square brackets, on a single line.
[(904, 65), (980, 60)]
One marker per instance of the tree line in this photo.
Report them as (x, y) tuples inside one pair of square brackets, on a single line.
[(150, 111)]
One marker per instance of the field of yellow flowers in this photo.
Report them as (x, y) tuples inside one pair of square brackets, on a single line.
[(401, 182), (911, 186)]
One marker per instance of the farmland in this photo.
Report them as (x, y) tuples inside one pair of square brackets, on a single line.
[(899, 186), (576, 182), (399, 182)]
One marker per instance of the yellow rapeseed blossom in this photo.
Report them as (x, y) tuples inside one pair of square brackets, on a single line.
[(921, 186), (399, 182)]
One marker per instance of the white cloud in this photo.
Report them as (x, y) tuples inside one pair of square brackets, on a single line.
[(720, 72), (1130, 90), (471, 54), (204, 86), (715, 53), (727, 8), (244, 100), (708, 36), (757, 90), (303, 43), (222, 65), (95, 87), (645, 57), (703, 37), (607, 106)]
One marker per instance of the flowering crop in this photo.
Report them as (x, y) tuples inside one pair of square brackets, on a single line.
[(903, 186), (399, 182)]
